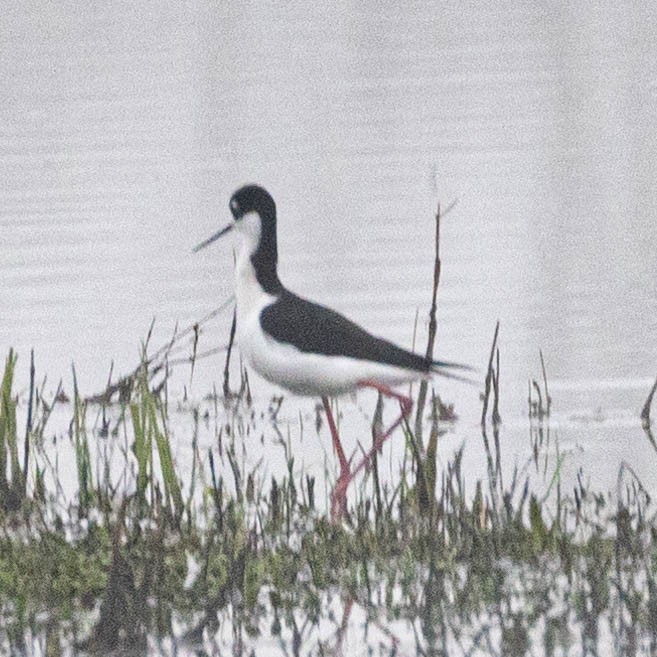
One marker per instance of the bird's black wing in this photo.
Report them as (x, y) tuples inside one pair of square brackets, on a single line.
[(316, 329)]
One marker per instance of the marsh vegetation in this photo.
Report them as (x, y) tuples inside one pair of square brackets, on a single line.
[(134, 557)]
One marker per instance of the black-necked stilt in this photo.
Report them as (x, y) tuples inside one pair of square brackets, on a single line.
[(302, 346)]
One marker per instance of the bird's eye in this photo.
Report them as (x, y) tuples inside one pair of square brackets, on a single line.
[(234, 206)]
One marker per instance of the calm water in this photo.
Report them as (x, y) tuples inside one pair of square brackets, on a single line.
[(124, 130)]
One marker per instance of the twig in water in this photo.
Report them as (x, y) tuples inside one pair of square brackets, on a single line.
[(377, 430), (197, 332), (422, 395), (28, 426), (231, 339), (645, 412), (490, 375), (496, 390), (548, 399), (156, 362), (538, 405)]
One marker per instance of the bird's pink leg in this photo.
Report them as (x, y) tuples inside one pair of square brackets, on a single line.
[(344, 464), (339, 495)]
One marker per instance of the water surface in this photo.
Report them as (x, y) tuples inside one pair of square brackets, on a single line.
[(124, 130)]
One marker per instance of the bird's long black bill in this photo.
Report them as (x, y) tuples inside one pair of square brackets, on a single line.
[(213, 238)]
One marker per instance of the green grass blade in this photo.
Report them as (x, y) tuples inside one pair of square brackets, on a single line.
[(82, 455)]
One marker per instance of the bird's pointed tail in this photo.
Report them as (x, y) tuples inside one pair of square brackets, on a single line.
[(444, 368)]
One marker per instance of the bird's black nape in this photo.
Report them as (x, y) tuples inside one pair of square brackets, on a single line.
[(256, 199)]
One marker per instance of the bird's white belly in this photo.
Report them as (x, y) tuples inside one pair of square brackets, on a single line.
[(306, 373)]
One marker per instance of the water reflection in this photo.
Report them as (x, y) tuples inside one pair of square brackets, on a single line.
[(509, 564)]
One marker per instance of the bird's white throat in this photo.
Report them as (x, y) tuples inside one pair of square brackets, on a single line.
[(250, 296), (249, 229)]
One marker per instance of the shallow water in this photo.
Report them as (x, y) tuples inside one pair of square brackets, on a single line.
[(125, 129)]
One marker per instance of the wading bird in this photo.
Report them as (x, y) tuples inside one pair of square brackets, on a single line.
[(304, 347)]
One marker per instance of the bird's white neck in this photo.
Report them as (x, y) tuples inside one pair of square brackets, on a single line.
[(257, 256), (249, 294)]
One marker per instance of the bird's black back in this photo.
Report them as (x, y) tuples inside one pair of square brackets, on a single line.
[(313, 328)]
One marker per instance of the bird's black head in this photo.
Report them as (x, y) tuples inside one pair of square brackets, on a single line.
[(252, 198), (254, 212)]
